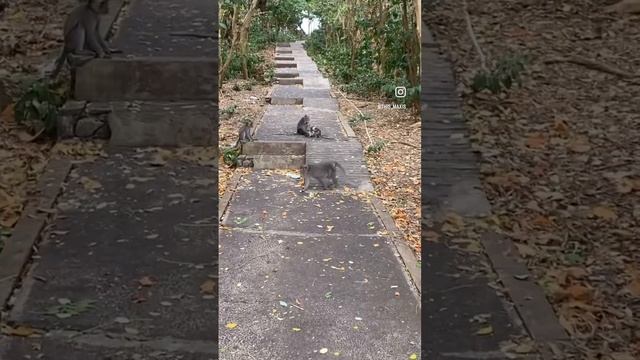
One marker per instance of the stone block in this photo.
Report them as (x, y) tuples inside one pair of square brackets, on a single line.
[(65, 125), (290, 81), (97, 108), (163, 124), (88, 127), (274, 148), (286, 73), (73, 107), (283, 65), (278, 161), (163, 78)]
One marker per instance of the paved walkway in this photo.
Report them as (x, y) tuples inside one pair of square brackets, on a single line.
[(127, 265), (309, 275)]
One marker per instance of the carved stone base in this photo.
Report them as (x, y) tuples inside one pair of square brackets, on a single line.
[(84, 120), (244, 161)]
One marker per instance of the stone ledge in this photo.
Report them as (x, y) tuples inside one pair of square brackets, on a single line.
[(140, 123), (166, 78), (274, 148)]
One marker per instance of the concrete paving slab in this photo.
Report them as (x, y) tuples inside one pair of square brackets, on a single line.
[(119, 220), (448, 313), (84, 347), (286, 95), (329, 104), (157, 28), (262, 198), (349, 154), (316, 83), (294, 95), (280, 123), (345, 293)]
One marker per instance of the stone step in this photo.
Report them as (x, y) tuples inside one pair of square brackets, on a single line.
[(286, 73), (274, 148), (284, 58), (290, 81), (168, 124), (283, 65), (277, 161), (147, 78), (140, 123)]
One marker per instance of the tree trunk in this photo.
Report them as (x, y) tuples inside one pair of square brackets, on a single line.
[(238, 37)]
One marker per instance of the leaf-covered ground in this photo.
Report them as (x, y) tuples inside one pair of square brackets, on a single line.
[(395, 169), (561, 155), (247, 99), (29, 31)]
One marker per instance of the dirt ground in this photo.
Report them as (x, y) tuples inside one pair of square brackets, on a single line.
[(248, 101), (561, 154), (29, 31), (395, 169)]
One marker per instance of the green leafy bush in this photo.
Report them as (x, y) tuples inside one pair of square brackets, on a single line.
[(39, 105), (376, 147), (230, 155)]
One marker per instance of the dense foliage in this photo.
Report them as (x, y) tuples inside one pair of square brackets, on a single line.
[(371, 47), (38, 107), (249, 27)]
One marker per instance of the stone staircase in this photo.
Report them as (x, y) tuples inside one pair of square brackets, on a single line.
[(161, 91), (303, 90)]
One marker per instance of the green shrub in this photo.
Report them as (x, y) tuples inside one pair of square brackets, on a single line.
[(376, 147), (39, 105)]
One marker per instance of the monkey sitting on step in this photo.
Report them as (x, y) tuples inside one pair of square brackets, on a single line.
[(244, 134), (321, 171), (82, 35), (305, 128)]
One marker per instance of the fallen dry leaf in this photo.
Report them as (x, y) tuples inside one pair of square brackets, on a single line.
[(208, 287), (604, 212), (146, 281)]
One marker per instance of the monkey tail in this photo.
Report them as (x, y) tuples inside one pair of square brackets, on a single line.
[(58, 65)]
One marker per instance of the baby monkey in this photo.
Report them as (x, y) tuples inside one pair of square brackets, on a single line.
[(320, 172), (315, 132), (82, 35)]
